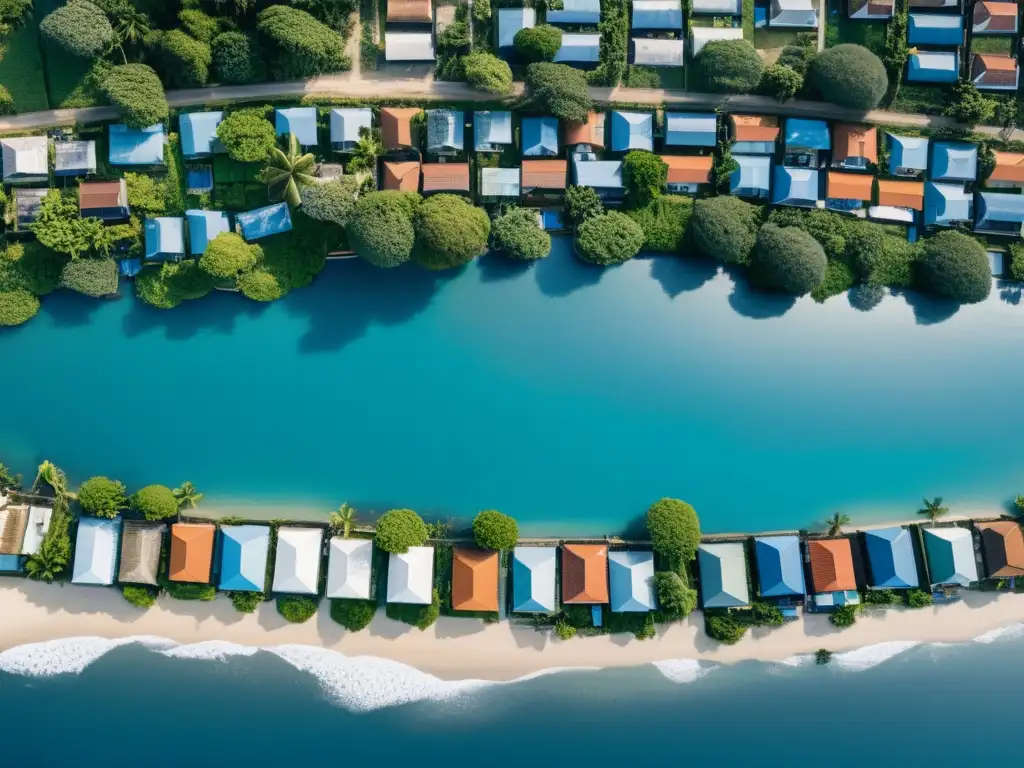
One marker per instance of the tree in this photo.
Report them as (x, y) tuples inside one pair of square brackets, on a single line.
[(781, 82), (238, 7), (364, 156), (130, 25), (79, 27), (287, 171), (92, 277), (298, 45), (17, 307), (486, 72), (954, 266), (343, 520), (674, 529), (918, 598), (582, 203), (8, 480), (399, 529), (724, 228), (835, 524), (13, 14), (864, 248), (381, 229), (563, 629), (228, 255), (766, 614), (136, 90), (247, 602), (6, 102), (52, 475), (353, 615), (676, 600), (260, 285), (494, 530), (517, 234), (725, 629), (173, 283), (296, 609), (967, 105), (187, 495), (482, 10), (559, 90), (788, 259), (609, 239), (730, 66), (155, 502), (822, 656), (184, 60), (450, 232), (454, 38), (332, 201), (102, 496), (849, 75), (59, 227), (54, 555), (844, 616), (237, 58), (644, 175), (933, 509), (201, 26), (539, 43), (247, 135), (139, 596)]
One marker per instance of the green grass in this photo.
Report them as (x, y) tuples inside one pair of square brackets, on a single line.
[(774, 38), (992, 44), (842, 29), (672, 78), (748, 20), (21, 69), (921, 99)]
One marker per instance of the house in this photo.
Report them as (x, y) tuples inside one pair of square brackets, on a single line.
[(136, 146), (657, 52), (96, 551), (947, 205), (891, 558), (141, 543), (510, 22), (410, 12), (13, 522), (752, 178), (107, 200), (474, 580), (492, 131), (796, 186), (832, 576), (847, 192), (908, 155), (1008, 171), (954, 161), (533, 579), (723, 575), (578, 48), (933, 67), (1003, 546), (658, 15), (584, 573), (804, 140), (191, 552), (994, 72), (501, 182), (684, 129), (297, 561), (604, 176), (632, 130), (26, 159), (999, 213), (74, 158), (445, 177), (38, 524), (540, 137), (347, 126), (631, 577), (701, 36), (780, 569), (942, 29), (753, 134), (870, 9), (949, 5), (898, 201), (584, 12), (950, 556), (349, 568), (793, 14), (243, 557), (199, 134), (994, 18), (411, 576), (403, 177), (396, 126), (687, 172), (164, 238), (854, 147), (586, 136), (408, 46), (300, 122), (546, 175), (203, 226), (263, 222), (27, 203), (717, 8), (445, 131)]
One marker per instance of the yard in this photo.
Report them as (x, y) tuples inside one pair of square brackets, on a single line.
[(842, 29), (992, 44), (21, 68), (921, 99)]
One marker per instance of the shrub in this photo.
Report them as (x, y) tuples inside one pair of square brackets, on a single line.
[(198, 24), (864, 248), (564, 630), (608, 239), (486, 72), (228, 254), (93, 277), (399, 529), (420, 616), (79, 27), (846, 616), (494, 530), (766, 614), (184, 60), (781, 82), (260, 285), (300, 46), (204, 593), (333, 201), (724, 629), (559, 90), (665, 222), (380, 229), (136, 90), (172, 283), (644, 175), (450, 232), (517, 234), (247, 135), (102, 496), (539, 43), (881, 597), (296, 609), (788, 259), (32, 267), (724, 228), (674, 529), (353, 615), (247, 602), (6, 102), (582, 203), (954, 266), (237, 58), (967, 105), (139, 596), (730, 66), (797, 57), (155, 502), (17, 307), (918, 598), (849, 75), (676, 600), (822, 656)]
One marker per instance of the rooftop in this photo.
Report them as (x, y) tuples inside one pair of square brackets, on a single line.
[(780, 567), (951, 556), (544, 174), (404, 177), (585, 573), (243, 557), (688, 169), (411, 576), (445, 177), (1004, 549), (410, 11), (590, 132), (396, 126), (901, 194), (199, 133), (297, 560), (96, 551), (831, 565), (191, 552), (1009, 167), (141, 543), (533, 579), (723, 575), (349, 568), (891, 557), (631, 575), (849, 186), (474, 580)]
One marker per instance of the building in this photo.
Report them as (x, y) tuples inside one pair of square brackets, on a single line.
[(605, 176), (701, 36), (799, 187), (586, 136), (933, 67), (753, 134), (96, 551), (804, 139), (950, 556), (137, 146), (631, 576), (496, 183), (684, 129), (445, 177), (474, 580), (74, 158), (793, 14), (717, 7), (898, 201), (780, 566), (632, 130), (658, 15), (584, 12), (533, 579), (686, 173), (26, 159), (657, 52), (848, 192), (544, 175), (38, 524), (347, 126), (584, 573), (263, 222), (752, 178), (408, 46), (999, 213), (410, 12), (908, 155), (954, 161), (947, 205), (403, 177), (854, 147), (396, 126), (492, 131), (870, 9), (243, 557), (28, 201), (191, 552), (943, 29), (540, 137), (203, 226), (994, 18), (723, 575), (445, 131), (949, 5), (297, 560), (107, 200), (832, 575), (141, 543), (164, 238), (13, 522), (349, 568), (510, 22), (891, 558), (199, 134), (1003, 546), (578, 48), (300, 122), (411, 576), (994, 72), (1008, 171)]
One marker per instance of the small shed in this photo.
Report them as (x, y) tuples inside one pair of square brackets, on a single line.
[(947, 205), (1003, 546), (203, 226), (408, 46), (297, 560), (107, 200), (701, 36), (999, 213), (191, 552), (137, 146), (199, 134), (891, 558), (96, 551), (691, 129), (350, 568), (403, 177), (950, 556), (579, 48), (263, 222), (942, 29), (474, 580), (500, 182), (933, 67), (411, 576), (631, 579), (582, 12), (752, 178), (798, 187), (632, 130), (141, 544), (659, 15), (492, 131), (540, 137), (347, 125), (954, 161), (243, 558), (658, 52), (445, 131), (533, 579), (74, 158), (908, 155), (584, 573), (510, 22), (780, 566), (25, 159), (298, 121), (165, 238), (723, 575), (445, 177)]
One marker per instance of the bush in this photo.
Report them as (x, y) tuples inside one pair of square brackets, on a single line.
[(17, 307), (954, 266), (136, 90), (781, 82), (93, 277), (725, 228), (665, 222), (30, 266), (730, 66), (237, 58), (450, 232), (353, 615), (204, 593), (674, 529), (79, 27), (486, 72), (6, 102), (849, 75), (766, 614), (399, 529), (564, 630), (420, 616), (155, 502), (918, 598), (724, 629), (198, 24), (881, 597), (333, 201), (494, 530), (846, 616), (788, 259), (247, 135), (644, 175), (676, 600), (380, 229), (582, 203), (967, 105), (228, 254), (102, 496), (172, 283), (296, 609), (300, 46), (559, 90), (864, 248), (185, 61), (608, 239), (247, 602), (539, 43), (822, 656), (139, 596), (517, 234), (260, 285)]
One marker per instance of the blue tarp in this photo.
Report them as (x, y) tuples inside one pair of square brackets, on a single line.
[(203, 226), (807, 134), (199, 179), (795, 186), (269, 220), (492, 130), (954, 161), (11, 563), (946, 205), (632, 130), (933, 67), (300, 121), (551, 219), (199, 133), (243, 557), (540, 137), (780, 569), (753, 177), (691, 130), (907, 152), (134, 146), (999, 212), (935, 29), (891, 556), (165, 238)]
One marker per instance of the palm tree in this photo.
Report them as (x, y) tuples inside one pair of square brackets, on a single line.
[(53, 476), (188, 495), (364, 156), (287, 172), (131, 27), (240, 6), (836, 523), (1019, 503), (343, 520), (933, 509)]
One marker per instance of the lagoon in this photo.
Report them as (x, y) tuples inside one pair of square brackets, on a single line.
[(567, 396)]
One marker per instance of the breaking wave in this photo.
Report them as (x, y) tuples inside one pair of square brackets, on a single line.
[(67, 656), (861, 659), (683, 670)]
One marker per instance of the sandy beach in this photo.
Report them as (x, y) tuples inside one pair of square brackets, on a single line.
[(457, 649)]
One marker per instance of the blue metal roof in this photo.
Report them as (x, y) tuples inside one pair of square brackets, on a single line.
[(807, 134), (533, 579), (540, 137), (795, 186), (600, 174), (300, 121), (999, 212), (723, 575), (780, 570), (243, 557), (579, 48), (935, 29), (946, 204), (632, 130), (657, 14), (631, 581), (954, 161), (445, 130), (199, 133), (576, 12), (492, 128), (753, 177), (135, 146), (933, 67), (347, 123), (891, 555), (909, 152), (261, 222), (203, 226), (165, 237), (691, 129)]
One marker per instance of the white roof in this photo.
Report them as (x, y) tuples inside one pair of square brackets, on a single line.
[(349, 568), (297, 564), (95, 551), (533, 579), (657, 14), (652, 52), (499, 182), (793, 13), (891, 213), (510, 21), (38, 525), (631, 579), (720, 7), (25, 156), (346, 123), (411, 576), (408, 46), (701, 36), (579, 48)]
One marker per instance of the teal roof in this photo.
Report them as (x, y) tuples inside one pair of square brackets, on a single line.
[(723, 575), (203, 226), (298, 121), (137, 146), (951, 556)]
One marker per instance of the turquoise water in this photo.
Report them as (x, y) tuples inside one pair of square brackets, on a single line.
[(565, 395)]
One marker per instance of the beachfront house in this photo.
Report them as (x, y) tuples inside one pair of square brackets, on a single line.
[(854, 147), (604, 176), (753, 134), (832, 574), (994, 18), (263, 222), (199, 134), (950, 556), (350, 568), (933, 67), (780, 566), (870, 10), (297, 560), (540, 137), (631, 577), (203, 226), (401, 177), (752, 177), (74, 158), (947, 205), (999, 213), (657, 52), (533, 579), (994, 72), (687, 173), (25, 159), (691, 129), (1003, 547), (243, 558), (492, 131), (474, 580), (898, 201), (584, 574), (940, 29), (107, 200), (408, 46), (586, 136), (579, 49), (137, 146), (141, 544), (657, 15), (954, 161), (510, 22), (723, 575), (798, 187), (396, 127), (31, 528), (632, 130), (411, 576), (300, 122), (848, 192), (191, 557), (96, 551), (793, 14), (499, 184), (445, 177), (164, 238), (1008, 172), (804, 140), (576, 12), (347, 125), (908, 155), (891, 558), (13, 522)]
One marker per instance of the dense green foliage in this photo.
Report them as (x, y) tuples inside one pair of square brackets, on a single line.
[(781, 82), (172, 283), (6, 102), (296, 609), (381, 229), (247, 135), (788, 259), (674, 529), (136, 90), (845, 616), (102, 496), (450, 232), (92, 277), (582, 203), (204, 593), (260, 285), (59, 227), (559, 90), (298, 45), (665, 222), (199, 25), (227, 255), (139, 596), (17, 307), (420, 616), (609, 239), (332, 201), (730, 66), (154, 502), (725, 228), (918, 598), (494, 530), (287, 170), (724, 628), (293, 259), (183, 60), (766, 614), (968, 105), (822, 656), (486, 72), (676, 600), (539, 43), (399, 529), (247, 602), (517, 234), (954, 266), (849, 75), (644, 175), (353, 615), (237, 58), (79, 27)]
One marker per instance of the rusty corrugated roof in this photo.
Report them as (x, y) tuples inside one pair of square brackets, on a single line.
[(410, 11), (99, 194), (831, 565), (688, 169), (395, 126), (584, 573), (1004, 548), (544, 174), (445, 177), (191, 552), (474, 580), (404, 177)]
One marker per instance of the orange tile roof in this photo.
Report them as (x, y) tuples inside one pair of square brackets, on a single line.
[(831, 565), (191, 552), (688, 169), (1004, 548), (996, 69), (754, 128), (404, 177), (395, 127), (544, 174), (591, 132), (99, 194), (584, 573), (1009, 167), (849, 186), (1001, 17), (446, 177), (410, 11), (474, 580), (854, 141), (901, 194)]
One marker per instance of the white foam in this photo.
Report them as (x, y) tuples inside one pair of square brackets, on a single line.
[(1009, 631), (213, 650), (67, 656), (869, 656), (682, 670), (795, 661)]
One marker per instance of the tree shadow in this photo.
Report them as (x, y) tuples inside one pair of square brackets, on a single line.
[(217, 312), (69, 309), (864, 298), (929, 311), (494, 267), (1009, 293), (561, 273), (749, 301), (678, 274)]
